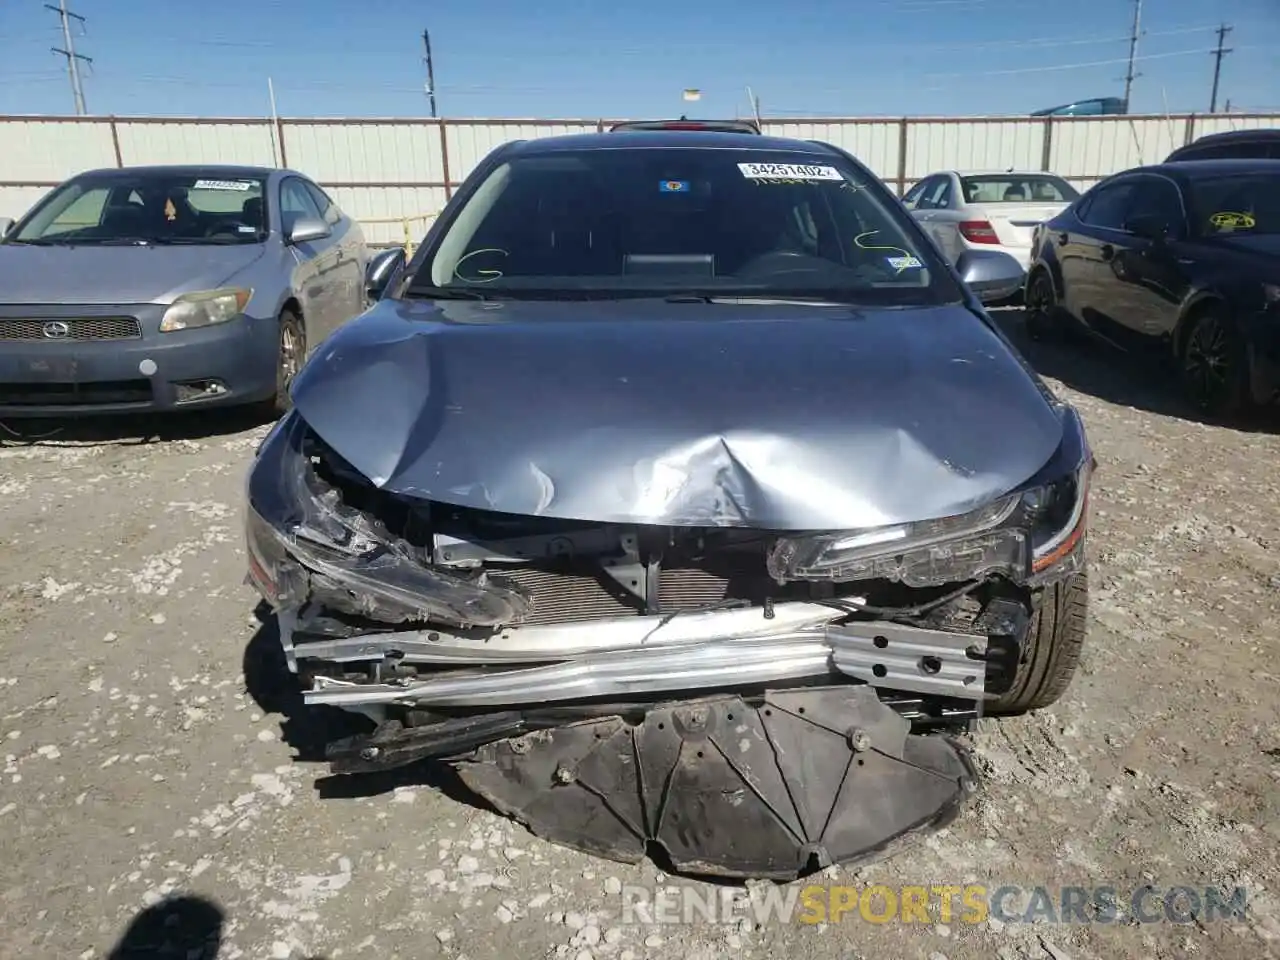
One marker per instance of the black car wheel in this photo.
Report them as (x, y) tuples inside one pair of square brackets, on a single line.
[(1041, 306), (1052, 649), (1215, 368), (290, 354)]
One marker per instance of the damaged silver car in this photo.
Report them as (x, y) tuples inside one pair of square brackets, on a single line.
[(681, 496)]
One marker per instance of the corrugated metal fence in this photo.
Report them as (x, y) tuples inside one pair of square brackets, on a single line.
[(384, 169)]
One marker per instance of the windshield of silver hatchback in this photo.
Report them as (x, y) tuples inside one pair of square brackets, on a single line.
[(148, 209), (617, 222)]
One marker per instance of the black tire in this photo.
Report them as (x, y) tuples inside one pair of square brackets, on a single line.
[(1215, 365), (1040, 304), (291, 351), (1051, 655)]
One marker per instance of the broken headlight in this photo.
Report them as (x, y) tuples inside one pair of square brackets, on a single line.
[(306, 544), (1032, 533)]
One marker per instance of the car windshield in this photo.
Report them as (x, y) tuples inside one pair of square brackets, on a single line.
[(148, 208), (1239, 203), (626, 222), (1018, 188)]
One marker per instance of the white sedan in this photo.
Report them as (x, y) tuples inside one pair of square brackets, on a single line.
[(987, 211)]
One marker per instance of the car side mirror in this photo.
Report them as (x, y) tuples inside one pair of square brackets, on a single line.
[(380, 271), (1148, 227), (990, 275), (309, 230), (6, 225)]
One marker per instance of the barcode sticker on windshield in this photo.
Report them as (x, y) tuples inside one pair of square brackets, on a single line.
[(222, 185), (788, 171)]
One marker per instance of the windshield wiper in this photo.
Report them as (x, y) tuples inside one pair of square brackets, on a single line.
[(443, 293), (752, 298), (113, 241)]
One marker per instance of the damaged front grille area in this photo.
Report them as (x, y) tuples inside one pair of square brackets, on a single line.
[(567, 572), (379, 588)]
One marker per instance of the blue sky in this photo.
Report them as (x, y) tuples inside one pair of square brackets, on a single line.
[(573, 58)]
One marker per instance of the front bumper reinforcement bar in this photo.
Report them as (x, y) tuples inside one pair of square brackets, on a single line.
[(644, 660)]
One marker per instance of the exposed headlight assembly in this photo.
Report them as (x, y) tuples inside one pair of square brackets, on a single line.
[(205, 308), (1030, 535), (305, 543)]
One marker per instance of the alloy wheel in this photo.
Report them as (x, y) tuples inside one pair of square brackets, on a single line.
[(1209, 364), (1038, 306), (290, 352)]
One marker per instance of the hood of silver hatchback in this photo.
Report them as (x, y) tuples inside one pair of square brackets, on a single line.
[(88, 273)]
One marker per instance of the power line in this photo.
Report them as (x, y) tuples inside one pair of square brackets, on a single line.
[(1218, 54), (431, 73), (1133, 51), (69, 51), (1067, 66)]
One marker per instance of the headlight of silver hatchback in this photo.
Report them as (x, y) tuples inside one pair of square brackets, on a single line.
[(205, 308)]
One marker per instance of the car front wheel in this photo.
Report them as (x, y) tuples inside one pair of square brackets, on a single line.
[(291, 351), (1051, 653)]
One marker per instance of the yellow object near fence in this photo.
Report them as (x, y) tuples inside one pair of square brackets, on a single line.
[(410, 234)]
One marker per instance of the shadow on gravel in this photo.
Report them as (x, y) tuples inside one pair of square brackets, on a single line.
[(135, 430), (183, 927), (1129, 380), (307, 729)]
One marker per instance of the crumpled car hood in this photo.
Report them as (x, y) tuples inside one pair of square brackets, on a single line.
[(780, 417)]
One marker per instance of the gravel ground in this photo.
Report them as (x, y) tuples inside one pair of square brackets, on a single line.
[(151, 751)]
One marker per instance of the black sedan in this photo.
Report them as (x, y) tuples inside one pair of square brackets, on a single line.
[(1182, 258)]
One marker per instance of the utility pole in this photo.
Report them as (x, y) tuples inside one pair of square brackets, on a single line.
[(69, 51), (1218, 54), (431, 73), (1133, 51)]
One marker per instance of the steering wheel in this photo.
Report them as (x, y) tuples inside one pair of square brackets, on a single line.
[(780, 262), (227, 227)]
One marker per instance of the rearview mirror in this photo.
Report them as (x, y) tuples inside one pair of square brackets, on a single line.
[(308, 231), (990, 274), (381, 269)]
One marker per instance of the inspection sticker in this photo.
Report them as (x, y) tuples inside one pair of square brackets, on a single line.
[(788, 171), (222, 185)]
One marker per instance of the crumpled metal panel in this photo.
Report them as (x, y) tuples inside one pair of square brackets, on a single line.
[(782, 417), (804, 779)]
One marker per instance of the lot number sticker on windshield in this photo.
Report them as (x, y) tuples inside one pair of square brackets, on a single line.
[(222, 185), (788, 171), (904, 263)]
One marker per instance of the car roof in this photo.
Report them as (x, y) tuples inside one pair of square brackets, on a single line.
[(694, 139), (1004, 173), (223, 170), (1232, 136), (1195, 169), (685, 124)]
